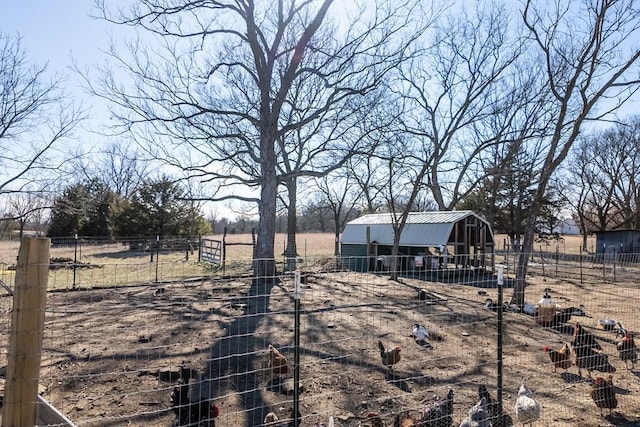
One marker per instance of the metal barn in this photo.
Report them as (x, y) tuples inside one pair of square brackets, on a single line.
[(611, 242), (429, 240)]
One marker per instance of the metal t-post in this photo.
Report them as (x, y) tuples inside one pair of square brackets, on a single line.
[(296, 353), (500, 333)]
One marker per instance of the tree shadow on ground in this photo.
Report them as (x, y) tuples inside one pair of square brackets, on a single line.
[(232, 358)]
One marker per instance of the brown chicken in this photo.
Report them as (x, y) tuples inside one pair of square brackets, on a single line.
[(603, 394), (560, 358), (581, 335), (627, 350), (389, 358), (403, 420), (279, 363), (587, 358)]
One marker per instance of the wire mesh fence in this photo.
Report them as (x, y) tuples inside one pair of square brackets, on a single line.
[(116, 347)]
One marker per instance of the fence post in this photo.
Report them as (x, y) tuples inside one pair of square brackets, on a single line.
[(604, 262), (27, 332), (157, 255), (614, 264), (581, 282), (75, 259), (296, 351), (500, 269), (544, 276), (224, 252)]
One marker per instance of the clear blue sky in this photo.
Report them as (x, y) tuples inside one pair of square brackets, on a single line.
[(54, 31), (58, 32)]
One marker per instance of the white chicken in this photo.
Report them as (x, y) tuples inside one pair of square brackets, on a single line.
[(527, 409), (419, 332), (478, 416)]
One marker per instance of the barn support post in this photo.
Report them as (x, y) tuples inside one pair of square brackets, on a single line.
[(368, 262), (27, 333)]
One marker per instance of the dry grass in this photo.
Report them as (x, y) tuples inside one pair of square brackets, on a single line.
[(309, 245), (115, 265)]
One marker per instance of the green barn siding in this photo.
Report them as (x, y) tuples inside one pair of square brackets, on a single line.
[(617, 241), (354, 257)]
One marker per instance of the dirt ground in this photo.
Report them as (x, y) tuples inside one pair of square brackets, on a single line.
[(111, 356)]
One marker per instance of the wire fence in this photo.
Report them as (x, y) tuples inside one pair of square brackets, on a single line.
[(116, 345)]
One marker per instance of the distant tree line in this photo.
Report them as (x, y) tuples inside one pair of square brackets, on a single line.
[(157, 207)]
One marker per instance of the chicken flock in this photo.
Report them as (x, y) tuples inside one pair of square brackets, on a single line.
[(586, 353), (583, 351)]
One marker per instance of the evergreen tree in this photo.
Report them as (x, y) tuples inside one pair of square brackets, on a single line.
[(159, 207)]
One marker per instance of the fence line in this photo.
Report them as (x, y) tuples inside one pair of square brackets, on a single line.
[(114, 346)]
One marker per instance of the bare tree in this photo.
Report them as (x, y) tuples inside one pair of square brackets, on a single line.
[(318, 148), (35, 117), (451, 94), (214, 100), (606, 163), (120, 166), (339, 194), (25, 207), (590, 60), (405, 172), (443, 97)]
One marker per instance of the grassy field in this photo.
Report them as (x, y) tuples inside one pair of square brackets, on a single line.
[(114, 264)]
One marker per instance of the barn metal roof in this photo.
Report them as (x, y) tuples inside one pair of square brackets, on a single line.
[(422, 228)]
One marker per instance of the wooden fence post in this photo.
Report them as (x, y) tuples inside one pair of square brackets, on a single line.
[(27, 332)]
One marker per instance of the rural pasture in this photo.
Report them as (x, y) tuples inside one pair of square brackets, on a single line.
[(114, 344)]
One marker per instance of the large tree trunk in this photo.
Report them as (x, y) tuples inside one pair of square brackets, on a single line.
[(518, 296), (291, 251), (395, 252), (264, 263)]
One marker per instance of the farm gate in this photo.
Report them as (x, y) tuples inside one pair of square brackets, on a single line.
[(211, 251)]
